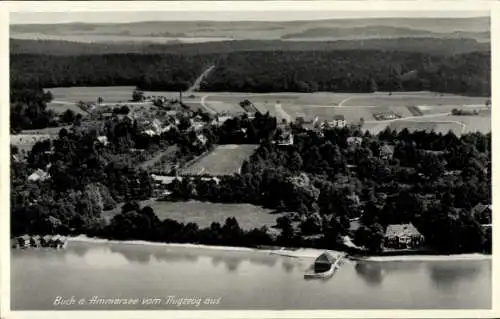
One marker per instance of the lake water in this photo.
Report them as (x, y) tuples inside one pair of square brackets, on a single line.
[(236, 280)]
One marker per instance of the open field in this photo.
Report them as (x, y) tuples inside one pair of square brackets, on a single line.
[(325, 105), (90, 94), (439, 123), (48, 130), (411, 98), (204, 213), (62, 106), (223, 160)]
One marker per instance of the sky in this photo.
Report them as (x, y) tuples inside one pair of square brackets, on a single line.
[(136, 16)]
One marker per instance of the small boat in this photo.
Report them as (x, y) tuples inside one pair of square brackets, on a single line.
[(324, 266)]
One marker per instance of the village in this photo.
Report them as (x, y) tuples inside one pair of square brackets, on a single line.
[(155, 115)]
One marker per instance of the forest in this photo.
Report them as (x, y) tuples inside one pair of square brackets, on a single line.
[(351, 71), (264, 71), (166, 72)]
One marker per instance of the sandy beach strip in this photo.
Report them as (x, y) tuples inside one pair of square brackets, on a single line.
[(284, 252)]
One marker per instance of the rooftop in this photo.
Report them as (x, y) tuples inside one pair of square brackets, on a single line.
[(401, 230)]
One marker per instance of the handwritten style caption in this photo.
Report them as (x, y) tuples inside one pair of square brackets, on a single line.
[(146, 301)]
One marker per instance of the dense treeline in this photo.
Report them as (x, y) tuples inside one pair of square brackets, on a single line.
[(351, 71), (326, 182), (423, 45), (265, 71), (170, 72)]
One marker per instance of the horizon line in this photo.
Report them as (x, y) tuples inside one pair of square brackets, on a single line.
[(250, 20)]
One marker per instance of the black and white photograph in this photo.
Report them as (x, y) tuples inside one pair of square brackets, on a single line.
[(245, 160)]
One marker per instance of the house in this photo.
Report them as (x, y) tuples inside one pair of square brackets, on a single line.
[(38, 175), (103, 140), (338, 121), (402, 236), (482, 213), (324, 262), (354, 141), (386, 151)]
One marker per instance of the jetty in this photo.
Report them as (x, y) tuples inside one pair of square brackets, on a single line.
[(324, 266)]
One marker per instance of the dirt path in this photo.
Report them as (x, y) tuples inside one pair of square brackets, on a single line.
[(197, 82)]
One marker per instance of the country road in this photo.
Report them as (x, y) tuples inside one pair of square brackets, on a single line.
[(196, 84)]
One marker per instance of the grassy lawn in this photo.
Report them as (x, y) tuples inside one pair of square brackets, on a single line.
[(204, 213), (223, 160)]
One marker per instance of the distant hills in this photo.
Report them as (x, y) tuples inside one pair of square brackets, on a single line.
[(339, 29), (422, 45), (381, 31)]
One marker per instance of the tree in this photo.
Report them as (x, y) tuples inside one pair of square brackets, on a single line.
[(295, 162), (68, 116), (137, 96)]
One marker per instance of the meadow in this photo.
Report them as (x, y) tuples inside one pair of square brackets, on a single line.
[(90, 94), (223, 160), (204, 213)]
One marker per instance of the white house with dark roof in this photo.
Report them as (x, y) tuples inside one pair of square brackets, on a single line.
[(402, 236)]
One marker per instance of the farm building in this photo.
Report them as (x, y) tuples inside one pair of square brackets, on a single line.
[(402, 236), (324, 262)]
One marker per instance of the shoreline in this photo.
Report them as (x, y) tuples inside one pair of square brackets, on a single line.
[(285, 252)]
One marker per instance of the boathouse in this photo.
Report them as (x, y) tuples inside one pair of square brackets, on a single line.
[(24, 241), (402, 236), (45, 240), (35, 241), (324, 262)]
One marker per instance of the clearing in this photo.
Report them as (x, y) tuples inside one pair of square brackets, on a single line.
[(222, 161), (204, 213)]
